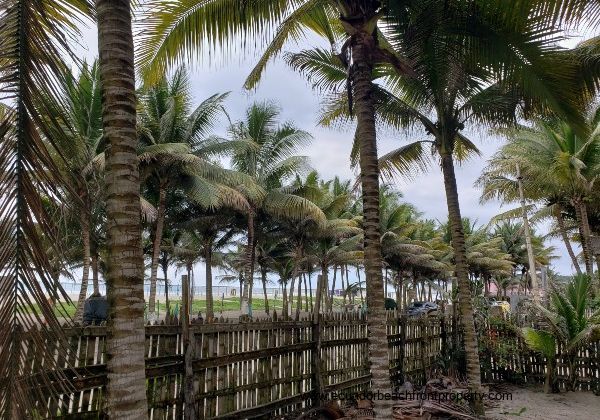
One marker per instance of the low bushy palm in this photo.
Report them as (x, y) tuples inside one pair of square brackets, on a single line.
[(567, 324)]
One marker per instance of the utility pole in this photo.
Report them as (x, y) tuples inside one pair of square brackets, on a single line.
[(532, 268)]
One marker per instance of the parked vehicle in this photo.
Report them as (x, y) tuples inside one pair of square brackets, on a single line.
[(422, 308), (500, 306)]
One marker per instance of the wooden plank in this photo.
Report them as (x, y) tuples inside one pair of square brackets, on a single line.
[(209, 362), (265, 409)]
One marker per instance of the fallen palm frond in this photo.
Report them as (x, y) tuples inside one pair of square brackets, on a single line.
[(443, 400)]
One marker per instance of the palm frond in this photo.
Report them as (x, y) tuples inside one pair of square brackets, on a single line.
[(313, 14), (175, 31), (407, 161), (34, 35), (540, 341)]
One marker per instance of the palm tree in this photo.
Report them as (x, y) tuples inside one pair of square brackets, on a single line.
[(265, 151), (337, 242), (77, 155), (513, 244), (568, 324), (173, 155), (551, 146), (125, 344), (211, 232)]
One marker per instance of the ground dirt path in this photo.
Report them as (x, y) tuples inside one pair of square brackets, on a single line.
[(537, 405)]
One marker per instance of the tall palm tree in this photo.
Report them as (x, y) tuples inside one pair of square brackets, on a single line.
[(78, 154), (560, 166), (126, 340), (264, 150), (174, 152)]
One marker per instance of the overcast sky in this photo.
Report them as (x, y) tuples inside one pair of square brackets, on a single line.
[(330, 150)]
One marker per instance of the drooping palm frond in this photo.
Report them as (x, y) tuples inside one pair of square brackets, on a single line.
[(292, 207), (540, 341), (178, 30), (407, 161), (34, 36), (315, 15)]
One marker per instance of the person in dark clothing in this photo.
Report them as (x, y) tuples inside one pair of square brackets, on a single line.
[(95, 310), (390, 304)]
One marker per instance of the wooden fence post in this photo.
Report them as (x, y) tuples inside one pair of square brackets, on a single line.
[(423, 324), (444, 336), (187, 338), (316, 338), (316, 359), (402, 352)]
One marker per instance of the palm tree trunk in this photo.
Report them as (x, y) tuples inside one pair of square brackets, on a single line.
[(385, 283), (263, 278), (360, 289), (332, 288), (317, 306), (312, 304), (241, 279), (585, 221), (95, 280), (363, 46), (158, 232), (299, 297), (249, 271), (284, 311), (85, 238), (321, 287), (192, 278), (549, 376), (165, 269), (291, 293), (462, 276), (298, 273), (305, 292), (399, 291), (209, 286), (530, 255), (583, 224), (563, 233), (125, 341), (342, 275)]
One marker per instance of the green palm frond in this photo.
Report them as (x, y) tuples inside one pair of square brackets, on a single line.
[(201, 191), (315, 15), (323, 70), (163, 152), (292, 207), (202, 119), (589, 334), (177, 30), (540, 341), (465, 149), (511, 214), (407, 161)]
